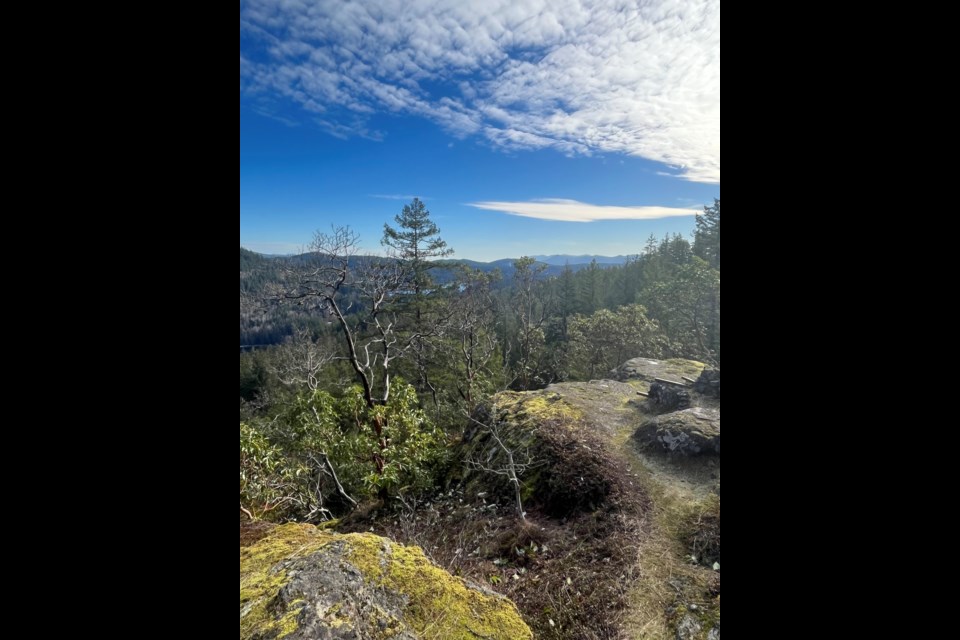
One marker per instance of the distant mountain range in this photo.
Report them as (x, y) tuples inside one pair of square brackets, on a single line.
[(554, 264), (506, 264), (258, 271), (563, 259)]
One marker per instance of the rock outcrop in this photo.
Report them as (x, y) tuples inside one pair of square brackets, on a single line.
[(569, 470), (689, 432), (668, 397), (708, 383), (648, 369), (300, 582)]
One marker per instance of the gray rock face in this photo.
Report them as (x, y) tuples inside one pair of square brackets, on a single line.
[(708, 383), (689, 432), (303, 583), (668, 397), (688, 628), (343, 606)]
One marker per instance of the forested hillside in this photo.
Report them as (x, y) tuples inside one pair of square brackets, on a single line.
[(408, 389), (676, 280)]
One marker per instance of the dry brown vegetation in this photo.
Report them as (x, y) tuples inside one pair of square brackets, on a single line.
[(571, 566)]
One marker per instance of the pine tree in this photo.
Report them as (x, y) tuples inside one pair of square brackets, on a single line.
[(416, 241), (707, 238)]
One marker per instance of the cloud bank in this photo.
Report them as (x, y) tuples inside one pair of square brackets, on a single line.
[(573, 211), (580, 76)]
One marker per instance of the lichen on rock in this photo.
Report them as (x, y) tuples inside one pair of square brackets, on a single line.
[(649, 369), (689, 432), (302, 583)]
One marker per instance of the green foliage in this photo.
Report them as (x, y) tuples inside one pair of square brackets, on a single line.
[(529, 305), (270, 483), (389, 449), (416, 241), (253, 376), (470, 351), (606, 339), (688, 306), (460, 340), (707, 237), (394, 447), (310, 424), (287, 457)]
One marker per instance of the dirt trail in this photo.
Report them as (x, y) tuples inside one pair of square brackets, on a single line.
[(666, 580), (617, 409)]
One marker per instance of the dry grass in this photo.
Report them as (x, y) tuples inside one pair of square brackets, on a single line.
[(615, 565), (570, 566), (667, 580), (575, 572)]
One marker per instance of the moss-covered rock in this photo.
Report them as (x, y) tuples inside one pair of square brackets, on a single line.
[(689, 432), (300, 582), (693, 622), (648, 369), (570, 469)]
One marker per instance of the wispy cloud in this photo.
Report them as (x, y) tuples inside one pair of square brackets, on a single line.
[(573, 211), (581, 76), (396, 196)]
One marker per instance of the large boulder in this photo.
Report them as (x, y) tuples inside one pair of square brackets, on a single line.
[(664, 397), (301, 583), (689, 432), (567, 467), (708, 383)]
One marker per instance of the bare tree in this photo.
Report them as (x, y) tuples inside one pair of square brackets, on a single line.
[(299, 361), (472, 320), (322, 277), (360, 293), (501, 460)]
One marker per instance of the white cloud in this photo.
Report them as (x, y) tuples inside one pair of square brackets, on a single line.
[(396, 196), (573, 211), (641, 79)]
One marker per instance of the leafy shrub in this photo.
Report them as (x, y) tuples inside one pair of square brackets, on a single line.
[(289, 467)]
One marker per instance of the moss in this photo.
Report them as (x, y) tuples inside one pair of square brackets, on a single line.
[(440, 606), (679, 366), (261, 578), (287, 623), (529, 484), (707, 616), (538, 407)]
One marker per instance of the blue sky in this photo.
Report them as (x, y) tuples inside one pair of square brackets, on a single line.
[(526, 126)]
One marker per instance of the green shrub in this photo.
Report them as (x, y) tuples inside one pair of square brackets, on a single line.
[(287, 465)]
